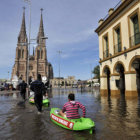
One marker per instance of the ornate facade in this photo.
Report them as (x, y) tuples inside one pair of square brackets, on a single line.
[(38, 63)]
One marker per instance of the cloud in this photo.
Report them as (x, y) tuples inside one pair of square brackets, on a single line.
[(74, 37)]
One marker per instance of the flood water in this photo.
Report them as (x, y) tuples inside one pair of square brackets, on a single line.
[(116, 118)]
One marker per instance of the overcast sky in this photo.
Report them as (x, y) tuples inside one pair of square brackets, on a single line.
[(69, 25)]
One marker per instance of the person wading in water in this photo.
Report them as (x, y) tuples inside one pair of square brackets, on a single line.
[(22, 87)]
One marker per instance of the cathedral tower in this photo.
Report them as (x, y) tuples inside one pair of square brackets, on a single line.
[(38, 63), (20, 66)]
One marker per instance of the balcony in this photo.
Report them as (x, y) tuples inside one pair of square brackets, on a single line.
[(117, 48), (135, 40), (106, 53)]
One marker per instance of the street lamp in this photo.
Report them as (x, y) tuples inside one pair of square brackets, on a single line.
[(29, 3), (59, 52), (40, 38), (8, 75), (91, 77)]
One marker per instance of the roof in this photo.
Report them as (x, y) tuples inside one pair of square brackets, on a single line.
[(117, 10)]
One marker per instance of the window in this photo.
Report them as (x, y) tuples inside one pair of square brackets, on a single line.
[(22, 53), (117, 40), (30, 67), (38, 54), (134, 28), (106, 50), (41, 54), (21, 67), (19, 53)]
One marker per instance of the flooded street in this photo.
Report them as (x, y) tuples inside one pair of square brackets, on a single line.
[(115, 118)]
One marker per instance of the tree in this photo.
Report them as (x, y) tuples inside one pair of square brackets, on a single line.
[(96, 72)]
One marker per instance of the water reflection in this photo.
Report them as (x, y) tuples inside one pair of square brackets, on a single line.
[(121, 106), (15, 96), (109, 103), (138, 108)]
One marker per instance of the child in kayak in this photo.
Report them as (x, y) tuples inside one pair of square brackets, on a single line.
[(70, 109)]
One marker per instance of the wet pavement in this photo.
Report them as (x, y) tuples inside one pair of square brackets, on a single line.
[(116, 118)]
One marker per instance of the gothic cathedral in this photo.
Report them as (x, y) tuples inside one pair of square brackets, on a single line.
[(38, 63)]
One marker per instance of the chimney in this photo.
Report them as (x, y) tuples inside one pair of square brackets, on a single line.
[(100, 21), (111, 10)]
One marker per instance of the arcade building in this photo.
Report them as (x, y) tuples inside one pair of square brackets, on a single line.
[(119, 49)]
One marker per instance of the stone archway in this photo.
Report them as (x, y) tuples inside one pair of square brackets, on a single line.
[(106, 71), (121, 85), (136, 66)]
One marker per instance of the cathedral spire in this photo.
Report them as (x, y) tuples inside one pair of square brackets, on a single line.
[(41, 30), (22, 38)]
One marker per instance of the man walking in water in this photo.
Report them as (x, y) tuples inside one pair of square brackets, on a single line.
[(22, 87), (38, 88)]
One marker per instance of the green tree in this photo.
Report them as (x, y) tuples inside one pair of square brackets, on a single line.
[(96, 72)]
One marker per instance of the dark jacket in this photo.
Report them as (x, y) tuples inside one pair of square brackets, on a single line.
[(38, 87), (22, 87)]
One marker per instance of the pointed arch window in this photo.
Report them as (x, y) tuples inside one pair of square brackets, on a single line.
[(31, 67), (19, 53), (41, 54), (22, 53), (38, 54)]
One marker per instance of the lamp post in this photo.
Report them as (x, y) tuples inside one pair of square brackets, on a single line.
[(29, 3), (8, 75), (91, 76), (59, 52)]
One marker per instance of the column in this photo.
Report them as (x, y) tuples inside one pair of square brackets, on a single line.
[(130, 84)]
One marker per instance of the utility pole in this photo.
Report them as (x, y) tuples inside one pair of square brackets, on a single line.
[(29, 3), (91, 77), (8, 76), (59, 52)]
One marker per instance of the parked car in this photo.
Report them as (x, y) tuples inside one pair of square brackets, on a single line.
[(74, 86), (96, 84)]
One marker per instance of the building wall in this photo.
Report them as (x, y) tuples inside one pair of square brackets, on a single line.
[(122, 20), (67, 82)]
